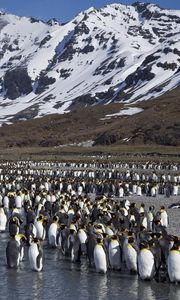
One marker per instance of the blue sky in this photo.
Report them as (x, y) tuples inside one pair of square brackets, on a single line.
[(64, 10)]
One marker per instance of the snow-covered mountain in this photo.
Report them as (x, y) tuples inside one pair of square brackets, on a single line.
[(117, 53)]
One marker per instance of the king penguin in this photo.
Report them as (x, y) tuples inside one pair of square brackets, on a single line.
[(114, 252), (3, 219), (131, 255), (20, 238), (146, 263), (41, 231), (52, 232), (82, 235), (36, 256), (13, 253), (100, 258), (173, 263)]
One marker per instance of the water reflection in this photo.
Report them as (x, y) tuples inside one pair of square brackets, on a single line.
[(37, 286), (174, 292), (63, 280), (145, 291)]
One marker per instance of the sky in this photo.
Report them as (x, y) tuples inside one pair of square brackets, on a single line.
[(65, 10)]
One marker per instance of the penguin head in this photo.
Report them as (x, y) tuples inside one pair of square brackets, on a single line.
[(105, 235), (40, 218), (130, 234), (99, 240), (114, 237), (35, 241), (21, 237), (56, 219), (131, 240), (72, 228), (151, 243), (142, 228), (143, 245), (63, 226)]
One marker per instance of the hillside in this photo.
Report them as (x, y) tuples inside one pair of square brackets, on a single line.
[(147, 122), (118, 54)]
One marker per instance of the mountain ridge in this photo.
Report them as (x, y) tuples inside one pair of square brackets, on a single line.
[(120, 53)]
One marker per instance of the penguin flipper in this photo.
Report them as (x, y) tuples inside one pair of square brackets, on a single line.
[(39, 257)]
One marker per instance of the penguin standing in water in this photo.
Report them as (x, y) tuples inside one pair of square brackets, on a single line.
[(100, 258), (14, 226), (131, 255), (114, 252), (82, 235), (41, 231), (52, 232), (73, 244), (36, 256), (3, 219), (146, 262), (13, 253), (20, 238), (173, 263)]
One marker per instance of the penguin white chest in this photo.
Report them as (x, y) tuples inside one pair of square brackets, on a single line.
[(146, 264), (114, 255), (100, 259), (41, 233), (3, 221), (174, 266), (52, 234), (34, 258), (131, 258)]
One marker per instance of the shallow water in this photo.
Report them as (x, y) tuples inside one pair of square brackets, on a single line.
[(61, 279)]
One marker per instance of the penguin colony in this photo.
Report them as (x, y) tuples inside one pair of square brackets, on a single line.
[(45, 202)]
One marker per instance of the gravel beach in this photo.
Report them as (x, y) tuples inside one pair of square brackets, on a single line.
[(173, 213)]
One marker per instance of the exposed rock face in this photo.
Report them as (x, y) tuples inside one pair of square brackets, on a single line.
[(43, 83), (120, 53), (17, 83)]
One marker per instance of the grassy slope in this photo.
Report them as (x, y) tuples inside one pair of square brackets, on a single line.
[(159, 123)]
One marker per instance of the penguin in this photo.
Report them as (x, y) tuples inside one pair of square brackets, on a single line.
[(143, 220), (100, 258), (131, 255), (41, 231), (150, 217), (82, 238), (90, 244), (3, 219), (20, 238), (18, 200), (14, 226), (73, 244), (164, 217), (35, 255), (31, 232), (174, 205), (52, 232), (114, 253), (173, 264), (62, 238), (13, 253), (146, 263)]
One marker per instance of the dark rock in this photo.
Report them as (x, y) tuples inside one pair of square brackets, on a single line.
[(45, 40), (87, 49), (81, 28), (33, 20), (139, 74), (17, 82), (107, 138), (167, 66), (65, 73), (43, 83)]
